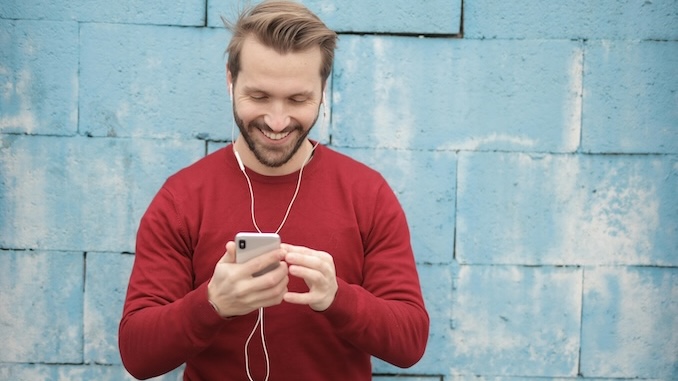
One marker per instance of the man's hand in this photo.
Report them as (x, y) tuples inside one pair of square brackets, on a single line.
[(233, 291), (316, 268)]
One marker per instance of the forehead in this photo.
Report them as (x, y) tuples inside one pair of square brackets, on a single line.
[(263, 67)]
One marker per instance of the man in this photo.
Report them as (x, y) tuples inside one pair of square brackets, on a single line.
[(345, 286)]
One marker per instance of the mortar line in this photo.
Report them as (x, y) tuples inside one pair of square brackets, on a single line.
[(206, 23), (581, 322)]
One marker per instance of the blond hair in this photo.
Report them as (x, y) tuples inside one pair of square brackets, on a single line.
[(284, 26)]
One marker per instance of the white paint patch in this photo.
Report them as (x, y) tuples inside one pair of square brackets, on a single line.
[(32, 372), (624, 219), (642, 323), (573, 110), (74, 100), (24, 120), (99, 344), (565, 189), (7, 87), (393, 119), (477, 326), (105, 187), (403, 163), (612, 221), (27, 215), (327, 7), (122, 112), (606, 46), (153, 63), (489, 141), (515, 323), (20, 340)]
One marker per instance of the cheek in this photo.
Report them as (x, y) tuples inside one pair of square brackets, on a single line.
[(304, 115), (308, 117), (245, 113)]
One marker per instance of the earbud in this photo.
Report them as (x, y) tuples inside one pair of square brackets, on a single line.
[(230, 92), (237, 157)]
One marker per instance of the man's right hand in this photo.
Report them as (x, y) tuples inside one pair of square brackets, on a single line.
[(234, 291)]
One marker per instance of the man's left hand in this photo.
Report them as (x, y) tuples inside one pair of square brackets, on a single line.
[(316, 268)]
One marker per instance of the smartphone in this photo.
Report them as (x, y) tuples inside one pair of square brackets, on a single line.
[(251, 245)]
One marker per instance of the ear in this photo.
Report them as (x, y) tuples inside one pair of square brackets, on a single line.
[(229, 83)]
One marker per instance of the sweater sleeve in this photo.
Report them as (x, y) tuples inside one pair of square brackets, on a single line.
[(166, 318), (385, 315)]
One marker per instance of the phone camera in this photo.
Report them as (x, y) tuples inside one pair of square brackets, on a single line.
[(242, 244)]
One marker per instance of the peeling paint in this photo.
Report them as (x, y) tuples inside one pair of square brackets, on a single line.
[(392, 119)]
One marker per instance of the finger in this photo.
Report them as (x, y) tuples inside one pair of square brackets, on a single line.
[(296, 249), (230, 247), (298, 298), (269, 287), (297, 258), (319, 261), (229, 255), (310, 275), (263, 263)]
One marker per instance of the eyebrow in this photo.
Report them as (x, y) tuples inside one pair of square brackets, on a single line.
[(249, 90)]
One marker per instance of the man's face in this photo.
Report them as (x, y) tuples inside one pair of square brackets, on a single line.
[(276, 99)]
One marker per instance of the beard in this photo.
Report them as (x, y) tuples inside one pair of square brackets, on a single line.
[(272, 156)]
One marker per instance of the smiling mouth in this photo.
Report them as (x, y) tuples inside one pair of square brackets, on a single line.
[(275, 136)]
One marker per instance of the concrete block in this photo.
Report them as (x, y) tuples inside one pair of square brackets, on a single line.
[(41, 306), (479, 95), (182, 12), (437, 283), (393, 16), (567, 210), (153, 81), (428, 201), (629, 323), (472, 377), (607, 19), (57, 372), (516, 321), (106, 281), (39, 77), (81, 193), (406, 378), (630, 97)]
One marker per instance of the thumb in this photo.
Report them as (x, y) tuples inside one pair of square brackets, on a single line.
[(229, 255)]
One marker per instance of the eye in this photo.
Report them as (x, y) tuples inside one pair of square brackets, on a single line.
[(258, 97)]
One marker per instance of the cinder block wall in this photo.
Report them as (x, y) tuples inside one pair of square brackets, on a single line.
[(533, 144)]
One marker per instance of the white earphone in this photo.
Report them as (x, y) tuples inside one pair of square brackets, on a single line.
[(239, 160)]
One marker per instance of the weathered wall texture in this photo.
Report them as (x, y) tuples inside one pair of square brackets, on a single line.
[(533, 144)]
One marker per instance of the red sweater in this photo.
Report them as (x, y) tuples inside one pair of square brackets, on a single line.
[(343, 208)]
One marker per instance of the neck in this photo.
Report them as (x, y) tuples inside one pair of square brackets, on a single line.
[(250, 161)]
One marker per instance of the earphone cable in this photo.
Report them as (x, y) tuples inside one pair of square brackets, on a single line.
[(259, 323), (260, 319)]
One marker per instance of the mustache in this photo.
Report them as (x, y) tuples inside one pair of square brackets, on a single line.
[(261, 125)]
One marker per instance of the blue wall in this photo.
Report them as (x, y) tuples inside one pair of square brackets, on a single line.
[(533, 144)]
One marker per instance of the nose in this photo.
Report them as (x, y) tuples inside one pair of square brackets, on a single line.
[(277, 117)]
